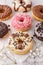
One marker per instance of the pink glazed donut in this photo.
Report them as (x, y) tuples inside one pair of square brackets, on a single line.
[(21, 22)]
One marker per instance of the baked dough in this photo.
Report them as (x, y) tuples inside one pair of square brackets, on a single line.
[(37, 12), (5, 12), (20, 43)]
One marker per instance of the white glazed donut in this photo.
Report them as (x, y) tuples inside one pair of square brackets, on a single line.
[(22, 5), (20, 43)]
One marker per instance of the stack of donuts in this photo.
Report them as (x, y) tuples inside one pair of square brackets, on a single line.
[(21, 42)]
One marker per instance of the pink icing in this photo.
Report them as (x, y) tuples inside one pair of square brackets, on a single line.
[(21, 21)]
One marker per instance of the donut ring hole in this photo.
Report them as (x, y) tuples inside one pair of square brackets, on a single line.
[(1, 10), (41, 11), (20, 40), (21, 19)]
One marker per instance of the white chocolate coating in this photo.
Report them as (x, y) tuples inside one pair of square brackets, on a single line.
[(22, 5), (27, 2), (17, 3), (38, 33)]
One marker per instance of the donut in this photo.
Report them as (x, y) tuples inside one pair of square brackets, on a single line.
[(5, 12), (39, 31), (20, 43), (21, 22), (37, 12), (3, 29), (22, 5)]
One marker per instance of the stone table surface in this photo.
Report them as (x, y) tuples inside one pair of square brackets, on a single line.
[(35, 57)]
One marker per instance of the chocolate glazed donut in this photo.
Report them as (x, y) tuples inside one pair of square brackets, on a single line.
[(3, 29), (38, 11), (5, 12)]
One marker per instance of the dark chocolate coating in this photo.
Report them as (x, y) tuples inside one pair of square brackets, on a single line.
[(3, 29)]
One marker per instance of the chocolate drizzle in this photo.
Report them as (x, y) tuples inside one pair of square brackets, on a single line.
[(23, 5)]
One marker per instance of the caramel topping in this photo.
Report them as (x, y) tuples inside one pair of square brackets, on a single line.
[(26, 35), (20, 41)]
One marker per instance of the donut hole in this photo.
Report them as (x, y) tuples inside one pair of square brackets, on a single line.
[(21, 19), (1, 10), (41, 11)]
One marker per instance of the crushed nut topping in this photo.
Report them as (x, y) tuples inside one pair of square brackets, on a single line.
[(20, 41)]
